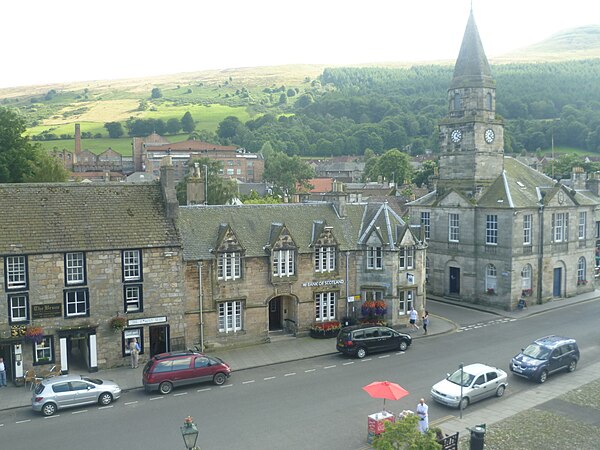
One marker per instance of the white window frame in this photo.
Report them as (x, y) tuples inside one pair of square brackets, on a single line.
[(133, 295), (18, 308), (406, 298), (230, 316), (129, 334), (559, 227), (325, 258), (74, 268), (426, 223), (372, 294), (453, 227), (284, 263), (581, 267), (325, 306), (79, 298), (374, 258), (44, 350), (526, 275), (582, 224), (16, 271), (407, 257), (491, 229), (491, 277), (229, 265), (527, 229), (132, 265)]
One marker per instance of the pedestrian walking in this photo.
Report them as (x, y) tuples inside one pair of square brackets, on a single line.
[(423, 414), (134, 349), (425, 322), (412, 318), (2, 373)]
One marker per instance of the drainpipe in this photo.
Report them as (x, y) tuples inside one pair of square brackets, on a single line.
[(347, 258), (201, 301), (540, 254)]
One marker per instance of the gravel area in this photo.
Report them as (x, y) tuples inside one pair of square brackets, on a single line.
[(537, 429)]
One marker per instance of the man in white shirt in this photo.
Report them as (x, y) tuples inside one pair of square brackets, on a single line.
[(2, 373)]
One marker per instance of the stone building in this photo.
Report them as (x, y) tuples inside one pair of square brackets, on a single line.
[(254, 270), (497, 230), (77, 255)]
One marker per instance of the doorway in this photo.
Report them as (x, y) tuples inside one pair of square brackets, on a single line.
[(454, 281), (557, 282), (275, 314), (159, 339), (6, 352)]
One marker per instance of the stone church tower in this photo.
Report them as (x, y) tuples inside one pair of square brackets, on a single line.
[(497, 230)]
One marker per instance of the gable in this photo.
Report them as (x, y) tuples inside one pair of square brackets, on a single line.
[(453, 199), (228, 241)]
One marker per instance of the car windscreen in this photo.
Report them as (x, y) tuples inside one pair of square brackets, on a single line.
[(461, 377), (536, 351), (93, 380)]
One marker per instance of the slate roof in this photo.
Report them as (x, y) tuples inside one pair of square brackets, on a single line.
[(253, 225), (59, 217)]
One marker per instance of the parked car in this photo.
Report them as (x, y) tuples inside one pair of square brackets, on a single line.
[(167, 370), (545, 356), (359, 340), (66, 391), (478, 381)]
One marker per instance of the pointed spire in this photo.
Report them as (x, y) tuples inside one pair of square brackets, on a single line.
[(472, 68)]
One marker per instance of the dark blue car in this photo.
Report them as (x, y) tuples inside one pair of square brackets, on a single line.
[(545, 356)]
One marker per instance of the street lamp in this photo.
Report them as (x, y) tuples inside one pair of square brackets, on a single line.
[(462, 374), (189, 432)]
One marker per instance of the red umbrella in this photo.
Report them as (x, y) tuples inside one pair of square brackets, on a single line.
[(385, 390)]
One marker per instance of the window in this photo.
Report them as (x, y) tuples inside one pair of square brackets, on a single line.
[(132, 293), (427, 269), (526, 277), (15, 268), (491, 229), (181, 363), (229, 266), (456, 102), (229, 171), (489, 101), (374, 258), (490, 278), (129, 334), (43, 352), (132, 265), (372, 294), (527, 223), (405, 301), (74, 268), (230, 316), (76, 303), (426, 223), (582, 221), (324, 259), (18, 308), (324, 306), (559, 227), (407, 257), (581, 270), (283, 263), (453, 227)]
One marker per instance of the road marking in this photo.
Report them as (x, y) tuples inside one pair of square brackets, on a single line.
[(310, 370), (107, 406), (24, 421), (226, 386), (248, 382), (132, 403), (400, 353), (329, 367), (384, 356), (1, 425), (269, 378), (289, 374), (79, 412), (52, 417), (203, 390), (348, 363), (156, 398), (366, 359), (180, 393)]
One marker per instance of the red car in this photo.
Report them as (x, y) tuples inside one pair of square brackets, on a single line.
[(168, 370)]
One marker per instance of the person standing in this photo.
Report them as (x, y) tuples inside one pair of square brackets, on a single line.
[(423, 414), (412, 318), (425, 322), (134, 349), (2, 373)]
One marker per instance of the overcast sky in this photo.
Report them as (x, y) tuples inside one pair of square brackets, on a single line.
[(45, 41)]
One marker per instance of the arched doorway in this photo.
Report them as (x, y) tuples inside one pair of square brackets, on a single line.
[(282, 314)]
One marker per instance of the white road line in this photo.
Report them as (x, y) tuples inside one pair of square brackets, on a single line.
[(269, 378), (79, 412), (383, 356), (366, 359), (248, 382), (289, 374), (23, 421), (156, 398), (310, 370), (1, 425), (203, 390), (329, 367), (105, 407), (348, 363), (131, 403), (52, 417), (180, 393), (226, 386), (400, 353)]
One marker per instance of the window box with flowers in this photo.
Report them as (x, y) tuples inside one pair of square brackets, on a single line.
[(34, 335), (490, 291), (581, 282), (373, 309), (526, 292), (325, 330), (117, 324)]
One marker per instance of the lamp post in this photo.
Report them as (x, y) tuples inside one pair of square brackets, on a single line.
[(189, 432), (462, 374)]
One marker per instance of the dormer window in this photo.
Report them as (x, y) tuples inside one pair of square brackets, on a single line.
[(374, 258), (284, 263), (325, 257), (229, 266)]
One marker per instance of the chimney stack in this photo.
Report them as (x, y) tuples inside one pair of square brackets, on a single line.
[(167, 182), (77, 139)]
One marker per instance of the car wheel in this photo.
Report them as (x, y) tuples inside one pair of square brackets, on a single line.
[(105, 399), (463, 403), (543, 376), (165, 387), (572, 366), (403, 346), (219, 379), (49, 409), (500, 391), (361, 353)]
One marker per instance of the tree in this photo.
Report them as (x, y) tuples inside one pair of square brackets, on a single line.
[(405, 435), (20, 159), (393, 165), (115, 129), (286, 171), (220, 190), (156, 93), (425, 172), (187, 123), (173, 126), (228, 127)]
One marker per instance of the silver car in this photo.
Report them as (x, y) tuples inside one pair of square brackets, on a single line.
[(66, 391), (478, 381)]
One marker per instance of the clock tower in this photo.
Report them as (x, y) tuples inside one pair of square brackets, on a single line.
[(471, 137)]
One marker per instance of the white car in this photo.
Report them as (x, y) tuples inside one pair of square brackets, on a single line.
[(478, 381)]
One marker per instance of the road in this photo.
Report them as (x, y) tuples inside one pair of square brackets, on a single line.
[(316, 403)]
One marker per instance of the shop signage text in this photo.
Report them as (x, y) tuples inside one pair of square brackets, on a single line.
[(322, 283), (47, 310), (146, 321)]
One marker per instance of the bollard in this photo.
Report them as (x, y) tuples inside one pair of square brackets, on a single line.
[(477, 437)]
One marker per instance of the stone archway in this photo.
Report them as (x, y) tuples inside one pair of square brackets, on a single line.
[(282, 314)]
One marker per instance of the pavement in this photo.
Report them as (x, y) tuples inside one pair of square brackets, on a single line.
[(284, 349)]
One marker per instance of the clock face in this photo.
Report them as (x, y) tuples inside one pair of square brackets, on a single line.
[(456, 135), (489, 135)]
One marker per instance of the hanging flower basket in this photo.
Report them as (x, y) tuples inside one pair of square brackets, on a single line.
[(373, 309), (325, 330), (526, 293), (118, 323), (491, 291), (34, 335)]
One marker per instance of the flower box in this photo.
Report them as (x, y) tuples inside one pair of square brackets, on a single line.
[(526, 292), (581, 282), (34, 335), (490, 291), (325, 330), (373, 308)]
